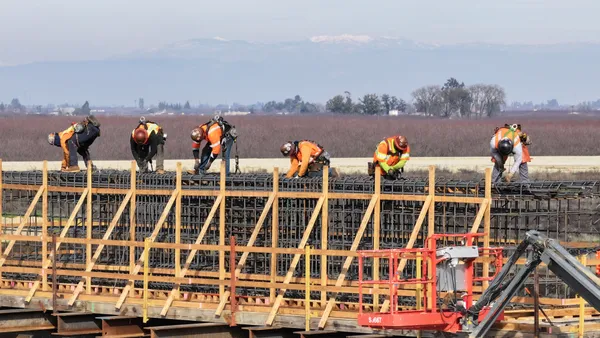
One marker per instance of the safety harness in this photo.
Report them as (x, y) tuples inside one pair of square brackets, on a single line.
[(227, 132)]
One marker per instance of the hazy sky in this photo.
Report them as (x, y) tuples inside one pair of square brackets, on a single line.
[(43, 30)]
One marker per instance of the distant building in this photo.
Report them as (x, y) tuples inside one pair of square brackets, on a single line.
[(393, 112), (233, 113)]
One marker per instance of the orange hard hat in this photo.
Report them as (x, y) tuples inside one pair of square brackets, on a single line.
[(140, 136), (400, 142), (197, 134)]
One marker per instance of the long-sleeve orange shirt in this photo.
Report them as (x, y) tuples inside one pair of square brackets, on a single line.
[(213, 137), (306, 154)]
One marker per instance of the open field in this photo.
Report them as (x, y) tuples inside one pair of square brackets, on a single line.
[(24, 138)]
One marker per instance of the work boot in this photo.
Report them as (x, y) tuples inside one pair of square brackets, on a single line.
[(72, 169), (192, 172), (160, 171), (335, 173)]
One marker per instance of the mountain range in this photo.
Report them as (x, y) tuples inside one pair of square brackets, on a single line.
[(218, 70)]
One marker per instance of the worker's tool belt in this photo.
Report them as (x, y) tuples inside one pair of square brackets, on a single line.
[(319, 162)]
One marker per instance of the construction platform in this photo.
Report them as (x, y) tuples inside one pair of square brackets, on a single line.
[(259, 252)]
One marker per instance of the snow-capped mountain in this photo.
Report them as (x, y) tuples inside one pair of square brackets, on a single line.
[(220, 70)]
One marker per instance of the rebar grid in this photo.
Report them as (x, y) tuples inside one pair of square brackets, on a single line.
[(565, 210)]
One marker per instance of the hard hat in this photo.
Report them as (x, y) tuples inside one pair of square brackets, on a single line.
[(140, 136), (505, 146), (400, 142), (51, 138), (197, 134), (287, 149)]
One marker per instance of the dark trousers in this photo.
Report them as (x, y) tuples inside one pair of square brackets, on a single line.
[(74, 150), (160, 158), (226, 150)]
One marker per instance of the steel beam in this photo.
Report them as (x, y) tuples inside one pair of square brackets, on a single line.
[(25, 320), (195, 330), (122, 326), (77, 324)]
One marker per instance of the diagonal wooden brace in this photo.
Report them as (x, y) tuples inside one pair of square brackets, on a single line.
[(192, 254), (244, 257), (348, 261), (290, 273), (152, 238), (411, 242), (63, 233), (100, 247), (12, 242)]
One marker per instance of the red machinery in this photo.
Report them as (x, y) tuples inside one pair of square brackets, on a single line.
[(431, 316)]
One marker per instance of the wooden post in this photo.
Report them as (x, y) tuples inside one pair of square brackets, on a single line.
[(89, 224), (376, 234), (1, 214), (307, 287), (431, 231), (536, 303), (274, 233), (146, 269), (222, 232), (178, 225), (324, 232), (45, 223), (132, 218), (487, 223)]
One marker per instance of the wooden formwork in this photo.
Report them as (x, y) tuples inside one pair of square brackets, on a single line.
[(326, 312)]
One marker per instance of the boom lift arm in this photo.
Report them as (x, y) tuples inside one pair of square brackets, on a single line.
[(558, 260)]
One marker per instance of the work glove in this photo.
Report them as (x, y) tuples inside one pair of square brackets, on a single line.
[(392, 173), (393, 160), (509, 177)]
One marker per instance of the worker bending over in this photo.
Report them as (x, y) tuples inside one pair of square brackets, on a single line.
[(307, 158), (219, 135), (76, 140), (526, 142), (506, 141), (148, 140), (60, 140), (391, 156)]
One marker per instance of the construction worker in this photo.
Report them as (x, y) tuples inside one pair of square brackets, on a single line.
[(148, 140), (506, 141), (77, 141), (60, 140), (307, 158), (391, 156), (219, 135), (526, 142)]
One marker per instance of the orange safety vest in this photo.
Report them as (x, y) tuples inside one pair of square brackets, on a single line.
[(390, 150), (503, 133), (315, 151)]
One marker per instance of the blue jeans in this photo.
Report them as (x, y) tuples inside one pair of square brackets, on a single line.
[(226, 152)]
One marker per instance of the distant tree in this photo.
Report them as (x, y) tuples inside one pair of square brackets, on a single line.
[(336, 105), (428, 100), (387, 104), (85, 109), (15, 104), (495, 99), (187, 105), (162, 105), (370, 104), (393, 102), (401, 105), (2, 106), (141, 103), (456, 99)]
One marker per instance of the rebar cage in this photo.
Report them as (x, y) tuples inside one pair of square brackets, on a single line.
[(191, 218)]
